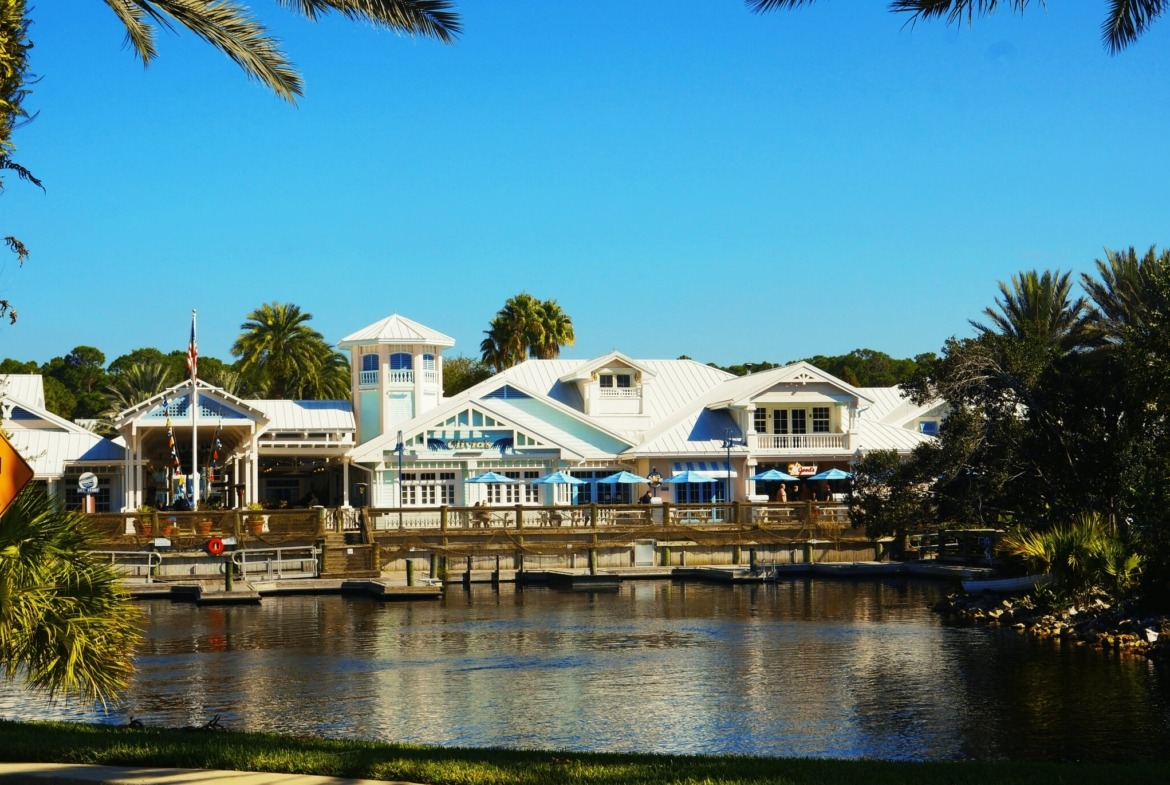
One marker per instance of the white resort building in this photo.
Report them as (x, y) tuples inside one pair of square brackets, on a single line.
[(398, 442)]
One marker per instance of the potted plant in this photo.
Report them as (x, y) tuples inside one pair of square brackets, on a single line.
[(143, 524), (203, 526), (254, 519)]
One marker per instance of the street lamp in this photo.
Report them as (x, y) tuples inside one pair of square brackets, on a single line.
[(399, 448), (728, 441)]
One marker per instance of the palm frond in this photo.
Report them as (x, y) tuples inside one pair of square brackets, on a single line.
[(431, 18), (1127, 20), (226, 25), (139, 33)]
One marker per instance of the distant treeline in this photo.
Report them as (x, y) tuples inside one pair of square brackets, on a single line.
[(860, 368)]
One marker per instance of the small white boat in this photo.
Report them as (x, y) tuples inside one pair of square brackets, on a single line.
[(1005, 585)]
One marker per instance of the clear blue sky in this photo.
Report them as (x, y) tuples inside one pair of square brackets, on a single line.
[(683, 177)]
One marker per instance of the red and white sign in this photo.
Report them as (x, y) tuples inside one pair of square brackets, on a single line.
[(802, 469)]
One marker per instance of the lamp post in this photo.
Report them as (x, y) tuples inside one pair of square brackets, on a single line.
[(728, 441), (399, 448)]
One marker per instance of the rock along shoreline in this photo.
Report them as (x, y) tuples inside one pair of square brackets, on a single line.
[(1121, 628)]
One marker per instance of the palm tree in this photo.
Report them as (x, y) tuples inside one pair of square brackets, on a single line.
[(1126, 296), (1037, 306), (526, 327), (137, 383), (66, 625), (556, 330), (1125, 20), (511, 332), (281, 356), (228, 26)]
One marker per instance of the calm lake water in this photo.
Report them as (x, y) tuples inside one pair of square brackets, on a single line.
[(806, 668)]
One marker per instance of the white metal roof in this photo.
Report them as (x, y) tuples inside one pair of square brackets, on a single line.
[(26, 387), (307, 415), (398, 330), (47, 441)]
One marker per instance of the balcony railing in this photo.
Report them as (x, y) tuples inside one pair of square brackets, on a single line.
[(620, 392), (430, 377), (368, 378), (804, 441), (402, 376)]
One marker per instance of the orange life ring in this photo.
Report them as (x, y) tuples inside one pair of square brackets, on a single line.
[(215, 546)]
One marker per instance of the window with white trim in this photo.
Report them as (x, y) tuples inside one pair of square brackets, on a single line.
[(761, 420), (428, 489), (799, 423), (820, 419)]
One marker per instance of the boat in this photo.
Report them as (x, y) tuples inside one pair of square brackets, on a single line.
[(1015, 585)]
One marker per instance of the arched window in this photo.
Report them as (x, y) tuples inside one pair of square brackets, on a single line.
[(428, 362)]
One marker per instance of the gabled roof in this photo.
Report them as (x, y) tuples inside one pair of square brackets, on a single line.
[(47, 441), (585, 371), (182, 391), (741, 391), (518, 412), (395, 330)]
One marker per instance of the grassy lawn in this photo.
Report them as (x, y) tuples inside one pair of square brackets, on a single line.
[(77, 743)]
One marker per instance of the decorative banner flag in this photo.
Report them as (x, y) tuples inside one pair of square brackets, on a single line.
[(192, 351), (216, 446), (171, 437)]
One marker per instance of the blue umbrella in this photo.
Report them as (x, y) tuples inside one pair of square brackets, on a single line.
[(689, 477), (489, 477), (772, 475), (558, 478), (626, 478), (831, 474)]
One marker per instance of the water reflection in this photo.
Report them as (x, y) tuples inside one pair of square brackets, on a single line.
[(836, 669)]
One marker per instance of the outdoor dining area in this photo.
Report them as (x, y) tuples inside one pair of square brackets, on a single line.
[(562, 509)]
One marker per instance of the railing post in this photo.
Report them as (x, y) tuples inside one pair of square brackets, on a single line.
[(443, 518), (321, 522), (593, 515), (519, 517)]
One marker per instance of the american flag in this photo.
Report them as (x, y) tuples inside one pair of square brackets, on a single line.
[(192, 351)]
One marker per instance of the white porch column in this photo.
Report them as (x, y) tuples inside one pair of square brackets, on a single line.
[(345, 482)]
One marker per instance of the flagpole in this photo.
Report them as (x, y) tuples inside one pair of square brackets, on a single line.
[(192, 363)]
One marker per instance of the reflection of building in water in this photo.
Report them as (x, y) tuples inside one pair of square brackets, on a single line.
[(592, 417)]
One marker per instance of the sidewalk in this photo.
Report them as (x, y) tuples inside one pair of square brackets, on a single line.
[(80, 774)]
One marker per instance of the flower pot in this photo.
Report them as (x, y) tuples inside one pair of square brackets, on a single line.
[(144, 526), (203, 527), (256, 526)]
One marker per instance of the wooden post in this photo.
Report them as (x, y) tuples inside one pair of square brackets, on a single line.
[(321, 522), (443, 519), (409, 571), (496, 574), (666, 556), (736, 555), (593, 515), (467, 575), (808, 552), (592, 561), (519, 517)]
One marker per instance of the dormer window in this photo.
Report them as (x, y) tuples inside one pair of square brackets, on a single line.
[(617, 380), (617, 385)]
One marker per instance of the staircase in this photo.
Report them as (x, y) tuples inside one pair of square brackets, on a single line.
[(349, 560)]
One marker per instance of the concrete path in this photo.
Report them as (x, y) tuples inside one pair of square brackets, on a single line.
[(79, 774)]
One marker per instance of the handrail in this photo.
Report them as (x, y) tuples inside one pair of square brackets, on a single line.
[(274, 568), (153, 559)]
